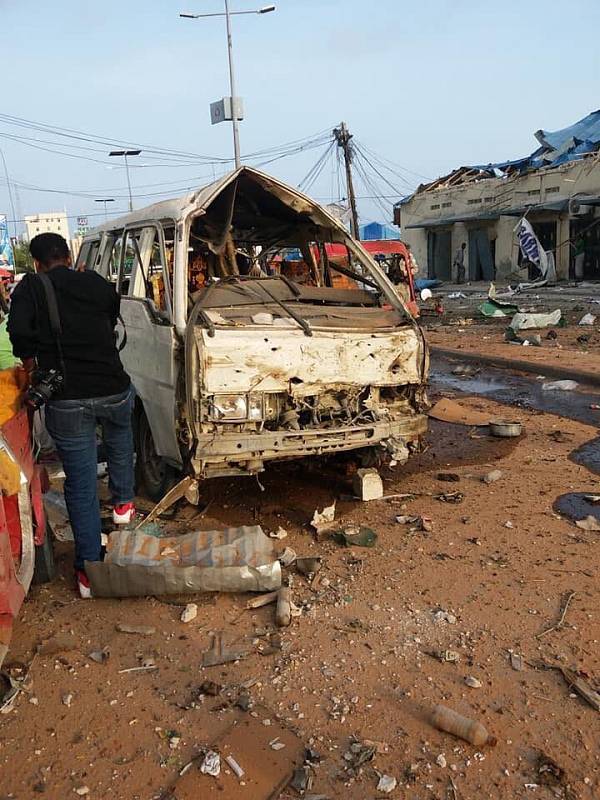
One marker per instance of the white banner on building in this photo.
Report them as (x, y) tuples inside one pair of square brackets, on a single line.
[(530, 246)]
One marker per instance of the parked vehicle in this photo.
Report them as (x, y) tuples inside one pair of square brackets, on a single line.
[(239, 359)]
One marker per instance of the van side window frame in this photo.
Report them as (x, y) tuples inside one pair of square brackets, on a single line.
[(141, 270)]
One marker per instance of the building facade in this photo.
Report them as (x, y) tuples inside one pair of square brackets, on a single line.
[(557, 188), (50, 222)]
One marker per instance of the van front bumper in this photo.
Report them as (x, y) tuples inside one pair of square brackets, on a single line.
[(237, 453)]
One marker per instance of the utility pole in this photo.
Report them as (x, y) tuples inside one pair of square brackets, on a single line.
[(343, 136)]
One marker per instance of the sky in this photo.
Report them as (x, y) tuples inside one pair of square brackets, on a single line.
[(423, 86)]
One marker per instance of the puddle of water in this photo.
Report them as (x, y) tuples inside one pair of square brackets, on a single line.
[(512, 389), (588, 455), (574, 506)]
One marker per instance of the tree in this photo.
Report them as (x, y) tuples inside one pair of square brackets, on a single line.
[(23, 260)]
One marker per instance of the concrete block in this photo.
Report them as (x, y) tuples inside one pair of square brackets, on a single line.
[(368, 484)]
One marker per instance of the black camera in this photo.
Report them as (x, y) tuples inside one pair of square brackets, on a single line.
[(45, 384)]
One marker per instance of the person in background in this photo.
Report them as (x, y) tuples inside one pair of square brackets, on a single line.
[(95, 389), (459, 263), (412, 261), (579, 251)]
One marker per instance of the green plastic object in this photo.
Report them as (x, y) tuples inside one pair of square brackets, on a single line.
[(353, 537)]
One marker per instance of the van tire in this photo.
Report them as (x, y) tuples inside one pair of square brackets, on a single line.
[(44, 569), (153, 475)]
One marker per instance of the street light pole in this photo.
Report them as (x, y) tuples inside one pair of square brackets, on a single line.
[(105, 200), (234, 105), (126, 153), (234, 119)]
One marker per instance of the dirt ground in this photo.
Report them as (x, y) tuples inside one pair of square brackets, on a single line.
[(361, 660), (461, 327)]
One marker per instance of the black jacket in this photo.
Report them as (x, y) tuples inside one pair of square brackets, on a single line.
[(88, 307)]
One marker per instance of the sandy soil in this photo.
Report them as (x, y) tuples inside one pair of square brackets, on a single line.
[(360, 660), (488, 339)]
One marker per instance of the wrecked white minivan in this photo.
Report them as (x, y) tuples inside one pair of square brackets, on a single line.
[(247, 343)]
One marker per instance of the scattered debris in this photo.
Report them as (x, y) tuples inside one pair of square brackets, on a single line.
[(147, 666), (517, 662), (582, 687), (283, 612), (444, 616), (359, 753), (387, 784), (508, 524), (323, 520), (276, 744), (262, 600), (562, 386), (589, 523), (288, 557), (309, 565), (368, 485), (210, 688), (549, 772), (189, 613), (301, 779), (448, 656), (472, 682), (100, 656), (492, 477), (356, 537), (524, 321), (142, 630), (418, 522), (505, 429), (211, 765), (82, 790), (587, 319), (449, 721), (235, 767), (561, 620), (447, 410), (280, 533), (450, 497), (441, 761), (219, 653)]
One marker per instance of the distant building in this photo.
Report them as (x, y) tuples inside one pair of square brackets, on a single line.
[(375, 231), (557, 187), (51, 222)]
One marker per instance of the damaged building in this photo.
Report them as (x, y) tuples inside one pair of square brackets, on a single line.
[(557, 187)]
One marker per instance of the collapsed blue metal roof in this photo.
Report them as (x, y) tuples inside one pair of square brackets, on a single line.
[(557, 147)]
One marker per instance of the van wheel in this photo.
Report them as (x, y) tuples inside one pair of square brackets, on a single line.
[(154, 476), (44, 569)]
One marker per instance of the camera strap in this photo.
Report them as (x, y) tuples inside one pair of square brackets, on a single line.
[(54, 316)]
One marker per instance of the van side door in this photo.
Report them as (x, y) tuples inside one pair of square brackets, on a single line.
[(149, 354)]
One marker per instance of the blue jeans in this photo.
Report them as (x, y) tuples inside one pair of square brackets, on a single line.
[(72, 425)]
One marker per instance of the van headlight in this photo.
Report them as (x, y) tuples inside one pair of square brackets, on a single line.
[(237, 407)]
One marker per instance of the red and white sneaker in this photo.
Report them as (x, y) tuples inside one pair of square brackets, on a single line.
[(123, 514), (83, 584)]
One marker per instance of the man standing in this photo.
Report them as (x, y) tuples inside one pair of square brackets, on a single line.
[(95, 389), (459, 263)]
